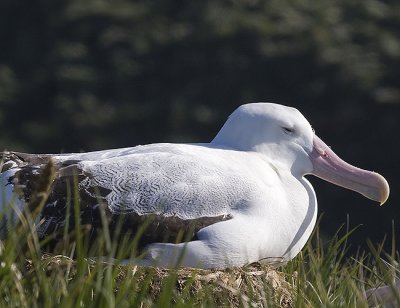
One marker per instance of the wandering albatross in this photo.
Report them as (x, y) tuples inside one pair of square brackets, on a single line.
[(243, 195)]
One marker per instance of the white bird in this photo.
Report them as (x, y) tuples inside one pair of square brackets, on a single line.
[(244, 194)]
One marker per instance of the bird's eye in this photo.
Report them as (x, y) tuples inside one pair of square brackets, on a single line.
[(288, 130)]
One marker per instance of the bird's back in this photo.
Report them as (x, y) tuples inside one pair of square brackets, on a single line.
[(172, 183)]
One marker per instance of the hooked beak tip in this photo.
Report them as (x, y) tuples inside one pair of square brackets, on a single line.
[(384, 191)]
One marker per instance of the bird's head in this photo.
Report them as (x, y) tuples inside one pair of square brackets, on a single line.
[(285, 136)]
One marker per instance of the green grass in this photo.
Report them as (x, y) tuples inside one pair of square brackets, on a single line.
[(320, 276)]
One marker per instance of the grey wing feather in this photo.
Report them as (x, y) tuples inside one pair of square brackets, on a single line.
[(170, 184)]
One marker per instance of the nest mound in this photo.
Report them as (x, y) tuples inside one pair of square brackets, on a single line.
[(254, 285)]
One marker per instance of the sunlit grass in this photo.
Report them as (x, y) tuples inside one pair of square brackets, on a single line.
[(320, 276)]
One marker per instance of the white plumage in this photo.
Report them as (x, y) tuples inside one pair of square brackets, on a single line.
[(251, 175)]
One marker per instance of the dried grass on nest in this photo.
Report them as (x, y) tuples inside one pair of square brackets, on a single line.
[(254, 285)]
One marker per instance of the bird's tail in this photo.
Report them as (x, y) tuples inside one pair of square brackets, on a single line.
[(10, 200)]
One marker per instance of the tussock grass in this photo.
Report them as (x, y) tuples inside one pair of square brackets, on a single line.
[(320, 276)]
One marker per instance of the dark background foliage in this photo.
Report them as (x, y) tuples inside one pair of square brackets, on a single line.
[(95, 74)]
